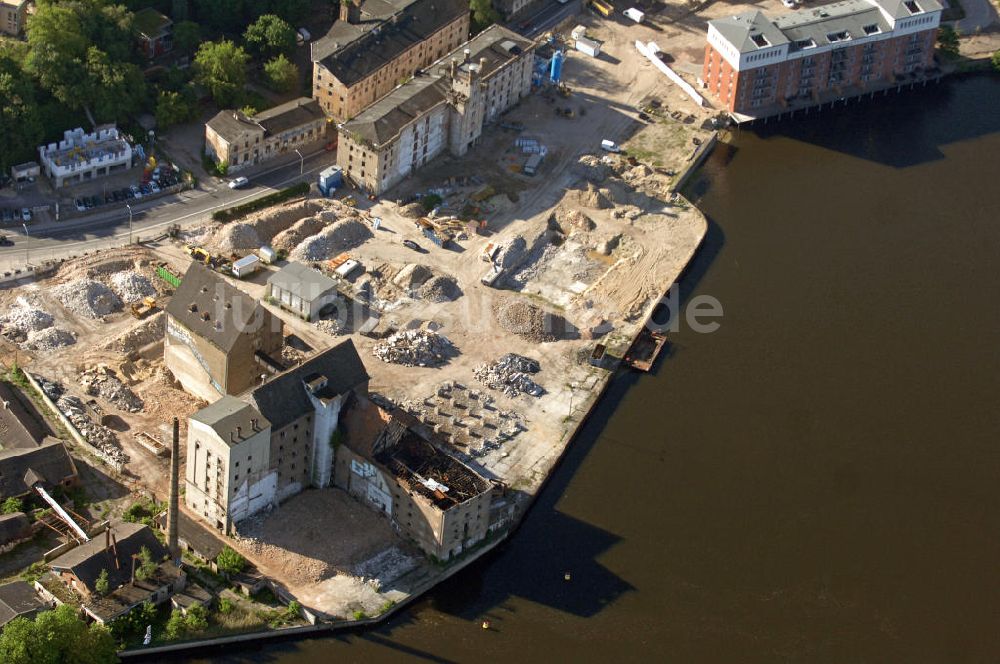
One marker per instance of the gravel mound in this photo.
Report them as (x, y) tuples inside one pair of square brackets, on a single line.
[(441, 289), (145, 333), (412, 276), (48, 339), (593, 197), (511, 252), (592, 168), (291, 237), (131, 286), (23, 318), (103, 382), (528, 321), (415, 348), (339, 237), (510, 374), (412, 211), (88, 298), (237, 236), (329, 326)]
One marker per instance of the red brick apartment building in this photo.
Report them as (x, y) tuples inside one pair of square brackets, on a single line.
[(758, 67)]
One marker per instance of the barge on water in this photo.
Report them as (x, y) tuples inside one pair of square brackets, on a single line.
[(645, 349)]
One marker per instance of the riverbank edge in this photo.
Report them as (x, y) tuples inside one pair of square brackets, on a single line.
[(590, 404)]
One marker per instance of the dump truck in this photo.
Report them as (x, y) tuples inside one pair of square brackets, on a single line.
[(144, 307)]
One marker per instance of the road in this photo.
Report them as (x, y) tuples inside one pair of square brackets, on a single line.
[(110, 228), (544, 19)]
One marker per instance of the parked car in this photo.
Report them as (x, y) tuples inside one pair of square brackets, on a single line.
[(25, 214), (410, 244), (5, 242), (610, 146), (80, 205), (239, 183), (154, 187)]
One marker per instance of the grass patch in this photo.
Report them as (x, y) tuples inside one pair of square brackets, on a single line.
[(240, 211)]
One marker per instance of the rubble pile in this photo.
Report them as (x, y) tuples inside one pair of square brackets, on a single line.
[(592, 197), (573, 219), (412, 276), (511, 252), (412, 211), (336, 238), (237, 236), (147, 332), (630, 212), (415, 348), (290, 356), (49, 339), (23, 318), (101, 381), (330, 326), (511, 375), (105, 268), (74, 409), (524, 319), (592, 168), (91, 299), (291, 237), (440, 289), (131, 286)]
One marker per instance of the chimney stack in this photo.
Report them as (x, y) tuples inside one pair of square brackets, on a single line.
[(482, 67), (454, 68), (172, 507), (468, 55), (350, 11)]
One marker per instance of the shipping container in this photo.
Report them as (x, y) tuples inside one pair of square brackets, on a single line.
[(588, 46)]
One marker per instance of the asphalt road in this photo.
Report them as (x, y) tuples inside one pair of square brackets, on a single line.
[(109, 228)]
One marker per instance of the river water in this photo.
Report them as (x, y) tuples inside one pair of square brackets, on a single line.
[(818, 480)]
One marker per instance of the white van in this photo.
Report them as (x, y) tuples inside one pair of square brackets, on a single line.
[(610, 146)]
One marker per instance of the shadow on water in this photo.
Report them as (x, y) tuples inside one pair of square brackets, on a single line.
[(858, 129)]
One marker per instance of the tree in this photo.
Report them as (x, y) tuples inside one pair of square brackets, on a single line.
[(230, 561), (145, 565), (173, 108), (102, 586), (996, 60), (948, 40), (221, 68), (196, 619), (187, 36), (220, 15), (269, 36), (54, 637), (118, 89), (282, 75), (175, 625), (483, 13), (12, 504)]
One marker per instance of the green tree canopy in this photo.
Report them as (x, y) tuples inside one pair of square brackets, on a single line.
[(7, 131), (282, 75), (56, 637), (222, 68), (996, 60), (20, 134), (269, 36), (187, 36), (230, 561), (174, 108), (102, 585), (145, 565), (483, 12), (117, 89)]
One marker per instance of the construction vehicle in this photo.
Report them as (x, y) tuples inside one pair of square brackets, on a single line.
[(605, 9), (349, 200), (144, 307), (199, 254)]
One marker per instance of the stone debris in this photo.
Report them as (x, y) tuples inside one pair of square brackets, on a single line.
[(237, 236), (290, 238), (23, 318), (441, 289), (412, 276), (291, 356), (101, 381), (336, 238), (131, 286), (143, 334), (415, 348), (510, 375), (75, 410), (412, 211), (385, 566), (51, 338), (592, 168), (592, 197), (91, 299), (525, 320), (573, 220), (330, 326)]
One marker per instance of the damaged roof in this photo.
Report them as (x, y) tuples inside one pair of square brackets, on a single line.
[(113, 554), (48, 463)]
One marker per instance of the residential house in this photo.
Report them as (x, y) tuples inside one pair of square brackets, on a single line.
[(240, 140), (156, 32), (378, 44)]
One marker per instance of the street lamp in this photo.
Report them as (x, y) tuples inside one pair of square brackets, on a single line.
[(302, 163), (129, 208), (27, 239)]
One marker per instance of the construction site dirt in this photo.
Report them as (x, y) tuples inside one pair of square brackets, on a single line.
[(575, 255)]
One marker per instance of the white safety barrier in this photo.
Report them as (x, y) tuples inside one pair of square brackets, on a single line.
[(650, 50)]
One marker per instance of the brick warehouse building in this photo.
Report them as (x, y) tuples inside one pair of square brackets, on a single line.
[(758, 67)]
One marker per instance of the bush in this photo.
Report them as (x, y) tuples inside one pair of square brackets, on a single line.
[(225, 605), (996, 60), (231, 562), (430, 201), (12, 505), (196, 619), (948, 40), (360, 615), (240, 211)]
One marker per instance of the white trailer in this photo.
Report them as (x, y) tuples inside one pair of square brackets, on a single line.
[(588, 46), (246, 266)]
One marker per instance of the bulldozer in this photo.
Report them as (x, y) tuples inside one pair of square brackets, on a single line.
[(143, 308), (198, 254)]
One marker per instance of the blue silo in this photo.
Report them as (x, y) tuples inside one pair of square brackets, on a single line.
[(555, 73)]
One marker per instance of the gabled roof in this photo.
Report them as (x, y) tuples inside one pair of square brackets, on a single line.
[(232, 420), (88, 560), (352, 51), (150, 23), (13, 527), (743, 29), (285, 398), (220, 312), (20, 423), (18, 599), (49, 463), (302, 281), (289, 115)]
